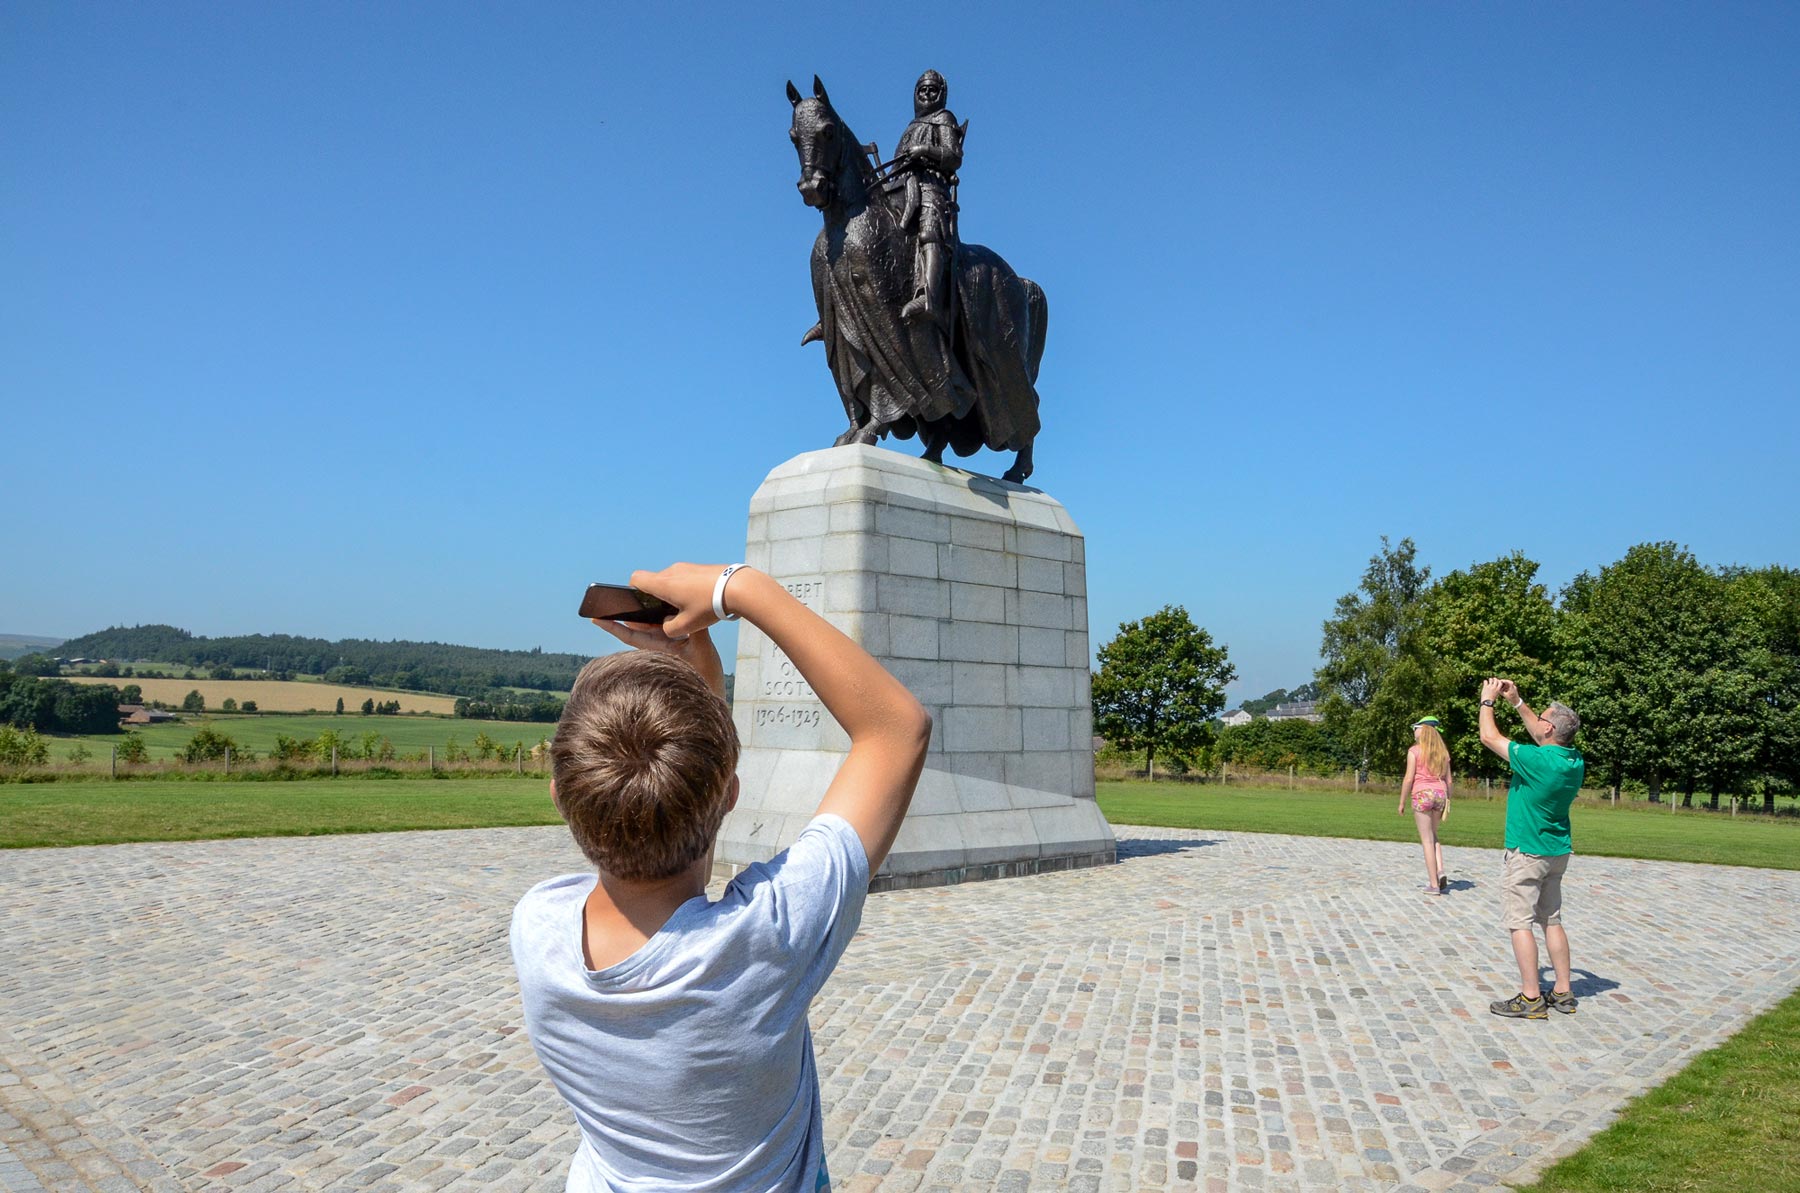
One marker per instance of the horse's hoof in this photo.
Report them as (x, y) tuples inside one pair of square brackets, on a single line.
[(1015, 475), (865, 436)]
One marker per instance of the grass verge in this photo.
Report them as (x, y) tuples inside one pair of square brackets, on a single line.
[(102, 813), (1599, 829), (1728, 1123)]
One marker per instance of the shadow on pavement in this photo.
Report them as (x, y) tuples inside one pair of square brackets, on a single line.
[(1136, 847), (1583, 983)]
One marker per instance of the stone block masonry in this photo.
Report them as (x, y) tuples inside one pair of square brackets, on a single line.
[(973, 592)]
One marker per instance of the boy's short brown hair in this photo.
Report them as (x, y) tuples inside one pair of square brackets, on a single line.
[(643, 759)]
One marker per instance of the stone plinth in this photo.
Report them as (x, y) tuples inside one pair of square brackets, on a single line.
[(972, 591)]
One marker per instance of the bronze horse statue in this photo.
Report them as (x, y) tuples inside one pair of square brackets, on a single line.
[(968, 383)]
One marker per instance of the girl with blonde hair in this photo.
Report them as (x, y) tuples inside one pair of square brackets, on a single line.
[(1427, 785)]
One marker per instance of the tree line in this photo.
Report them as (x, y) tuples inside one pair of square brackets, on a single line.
[(411, 666), (1686, 676), (56, 705)]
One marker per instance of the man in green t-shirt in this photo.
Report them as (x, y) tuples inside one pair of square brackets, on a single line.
[(1546, 778)]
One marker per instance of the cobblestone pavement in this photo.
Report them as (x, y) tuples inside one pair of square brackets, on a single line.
[(1218, 1011)]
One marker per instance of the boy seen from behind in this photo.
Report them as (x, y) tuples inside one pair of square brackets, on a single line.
[(674, 1026)]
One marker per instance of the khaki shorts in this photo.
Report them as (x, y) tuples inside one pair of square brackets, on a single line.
[(1531, 889)]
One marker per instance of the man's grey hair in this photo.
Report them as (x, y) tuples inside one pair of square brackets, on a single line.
[(1563, 722)]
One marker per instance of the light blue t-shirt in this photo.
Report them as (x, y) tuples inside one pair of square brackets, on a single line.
[(689, 1064)]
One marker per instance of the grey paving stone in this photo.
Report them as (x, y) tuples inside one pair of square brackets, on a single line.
[(1219, 1011)]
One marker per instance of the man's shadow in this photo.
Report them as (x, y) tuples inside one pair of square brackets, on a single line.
[(1583, 983), (1136, 847)]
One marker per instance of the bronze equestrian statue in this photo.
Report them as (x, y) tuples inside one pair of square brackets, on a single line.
[(924, 334)]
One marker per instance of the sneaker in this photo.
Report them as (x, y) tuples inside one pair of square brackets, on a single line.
[(1520, 1007), (1564, 1002)]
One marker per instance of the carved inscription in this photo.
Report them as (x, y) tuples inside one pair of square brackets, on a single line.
[(786, 683), (787, 714), (791, 702)]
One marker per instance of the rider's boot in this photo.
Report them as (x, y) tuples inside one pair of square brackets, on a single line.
[(927, 304)]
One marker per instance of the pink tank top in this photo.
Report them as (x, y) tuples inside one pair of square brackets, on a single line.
[(1423, 779)]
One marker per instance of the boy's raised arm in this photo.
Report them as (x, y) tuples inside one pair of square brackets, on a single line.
[(889, 729)]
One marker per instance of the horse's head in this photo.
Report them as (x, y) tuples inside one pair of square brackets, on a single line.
[(816, 134)]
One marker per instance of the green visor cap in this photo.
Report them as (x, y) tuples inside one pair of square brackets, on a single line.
[(1432, 721)]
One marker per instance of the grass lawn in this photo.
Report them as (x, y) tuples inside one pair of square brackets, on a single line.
[(410, 735), (1643, 831), (104, 813), (1728, 1123)]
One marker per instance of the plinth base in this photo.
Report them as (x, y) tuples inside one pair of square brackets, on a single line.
[(972, 591)]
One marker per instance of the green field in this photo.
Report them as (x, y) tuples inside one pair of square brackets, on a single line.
[(103, 813), (410, 734), (1630, 830)]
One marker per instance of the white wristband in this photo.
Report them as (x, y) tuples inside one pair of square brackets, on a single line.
[(719, 594)]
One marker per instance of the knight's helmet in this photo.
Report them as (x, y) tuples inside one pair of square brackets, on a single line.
[(920, 108)]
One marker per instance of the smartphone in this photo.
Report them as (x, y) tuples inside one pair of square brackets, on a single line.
[(621, 602)]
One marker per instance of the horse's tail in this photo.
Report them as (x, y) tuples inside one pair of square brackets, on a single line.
[(1038, 311)]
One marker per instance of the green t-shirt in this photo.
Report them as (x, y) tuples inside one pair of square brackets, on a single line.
[(1545, 781)]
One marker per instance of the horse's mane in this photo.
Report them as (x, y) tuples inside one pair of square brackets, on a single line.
[(851, 158)]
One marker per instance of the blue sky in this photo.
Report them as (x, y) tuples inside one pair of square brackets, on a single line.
[(407, 320)]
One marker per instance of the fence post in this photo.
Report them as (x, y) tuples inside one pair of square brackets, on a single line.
[(1290, 776), (519, 760), (431, 759), (112, 767), (334, 762), (227, 762)]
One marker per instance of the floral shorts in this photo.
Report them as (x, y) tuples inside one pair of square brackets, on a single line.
[(1429, 801)]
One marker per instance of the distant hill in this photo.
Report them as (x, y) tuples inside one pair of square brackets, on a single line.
[(14, 645), (412, 666)]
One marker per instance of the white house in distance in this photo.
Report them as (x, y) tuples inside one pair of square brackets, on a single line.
[(1236, 716), (1296, 710)]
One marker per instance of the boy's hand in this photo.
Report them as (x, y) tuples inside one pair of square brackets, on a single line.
[(688, 587)]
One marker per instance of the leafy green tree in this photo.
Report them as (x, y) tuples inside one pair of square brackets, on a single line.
[(1493, 619), (79, 753), (37, 664), (228, 705), (247, 706), (1276, 745), (209, 745), (294, 749), (23, 747), (133, 748), (193, 702), (368, 706), (1773, 596), (1373, 677), (131, 694), (340, 706), (1637, 642), (1160, 684)]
